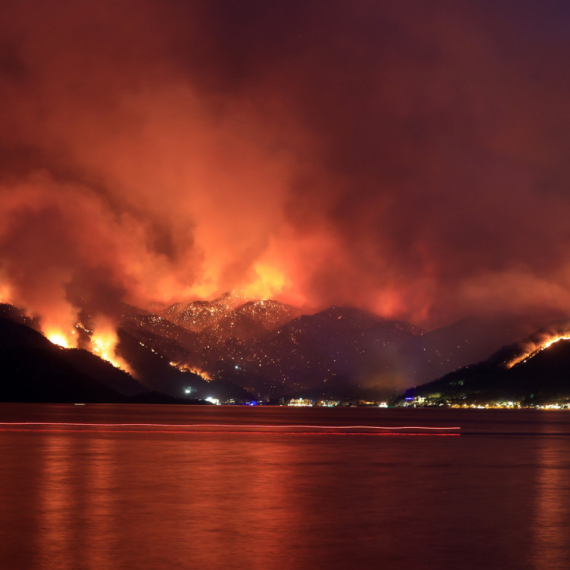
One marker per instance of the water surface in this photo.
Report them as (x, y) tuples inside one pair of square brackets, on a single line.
[(149, 497)]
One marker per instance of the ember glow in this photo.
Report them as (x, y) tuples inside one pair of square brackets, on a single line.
[(403, 158), (185, 368), (533, 348)]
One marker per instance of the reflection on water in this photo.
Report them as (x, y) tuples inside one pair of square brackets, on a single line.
[(100, 504), (55, 503), (552, 506), (105, 500), (75, 509)]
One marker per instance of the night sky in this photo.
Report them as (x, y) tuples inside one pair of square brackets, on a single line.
[(410, 158)]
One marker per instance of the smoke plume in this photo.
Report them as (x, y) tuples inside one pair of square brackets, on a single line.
[(409, 158)]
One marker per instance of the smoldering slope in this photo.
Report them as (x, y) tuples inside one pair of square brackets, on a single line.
[(409, 159)]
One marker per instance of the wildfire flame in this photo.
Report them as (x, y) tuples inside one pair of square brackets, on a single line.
[(185, 368), (533, 348), (104, 341), (268, 283), (5, 294), (58, 324), (59, 337)]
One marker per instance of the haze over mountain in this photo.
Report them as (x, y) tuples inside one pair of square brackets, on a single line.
[(254, 346), (265, 347)]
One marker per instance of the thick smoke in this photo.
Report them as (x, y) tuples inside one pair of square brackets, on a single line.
[(409, 158)]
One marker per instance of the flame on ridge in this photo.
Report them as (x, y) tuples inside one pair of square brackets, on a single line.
[(59, 339), (104, 340), (185, 368), (534, 348), (59, 336), (269, 282)]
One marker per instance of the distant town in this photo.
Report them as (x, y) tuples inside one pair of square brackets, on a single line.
[(419, 402)]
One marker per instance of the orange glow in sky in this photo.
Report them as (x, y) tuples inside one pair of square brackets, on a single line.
[(201, 154), (269, 282)]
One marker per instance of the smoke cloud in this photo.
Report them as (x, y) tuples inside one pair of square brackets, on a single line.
[(408, 158)]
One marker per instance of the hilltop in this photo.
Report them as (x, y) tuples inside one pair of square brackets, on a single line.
[(535, 370)]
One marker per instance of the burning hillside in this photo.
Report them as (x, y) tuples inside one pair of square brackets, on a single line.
[(538, 342)]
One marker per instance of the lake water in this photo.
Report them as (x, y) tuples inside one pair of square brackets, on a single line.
[(223, 495)]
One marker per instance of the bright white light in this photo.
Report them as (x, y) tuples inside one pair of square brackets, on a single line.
[(188, 390), (213, 401)]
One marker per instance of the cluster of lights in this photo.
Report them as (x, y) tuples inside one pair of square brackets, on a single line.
[(306, 402), (300, 402), (210, 399), (500, 405)]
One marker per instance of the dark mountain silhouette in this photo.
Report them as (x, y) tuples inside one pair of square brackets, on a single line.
[(103, 371), (31, 374), (35, 370), (543, 376), (14, 334), (234, 348), (470, 340), (157, 373)]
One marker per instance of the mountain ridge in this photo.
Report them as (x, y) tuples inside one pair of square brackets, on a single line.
[(268, 350), (524, 372)]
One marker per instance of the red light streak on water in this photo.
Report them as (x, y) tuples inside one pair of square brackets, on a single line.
[(382, 434), (283, 426)]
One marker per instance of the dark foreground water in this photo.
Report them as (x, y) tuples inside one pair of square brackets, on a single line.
[(269, 497)]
